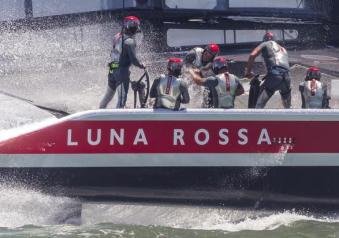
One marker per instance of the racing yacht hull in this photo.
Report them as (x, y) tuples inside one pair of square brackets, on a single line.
[(241, 157)]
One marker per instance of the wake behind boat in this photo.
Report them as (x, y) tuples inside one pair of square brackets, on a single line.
[(197, 156)]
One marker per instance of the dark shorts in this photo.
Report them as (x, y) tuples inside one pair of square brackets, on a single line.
[(277, 80), (118, 77)]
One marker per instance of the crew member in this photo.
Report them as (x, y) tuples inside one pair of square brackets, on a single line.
[(225, 86), (277, 65), (201, 60), (170, 90), (123, 56), (313, 91)]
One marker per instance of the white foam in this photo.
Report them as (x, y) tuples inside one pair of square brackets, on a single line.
[(189, 217), (20, 206), (270, 222)]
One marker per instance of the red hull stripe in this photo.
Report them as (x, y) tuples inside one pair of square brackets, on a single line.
[(100, 137)]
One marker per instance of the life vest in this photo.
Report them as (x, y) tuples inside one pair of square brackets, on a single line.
[(313, 93), (225, 90), (168, 92), (275, 56)]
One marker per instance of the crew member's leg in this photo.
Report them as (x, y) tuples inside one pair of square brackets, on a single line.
[(326, 100), (286, 99), (263, 98), (266, 91), (107, 98), (123, 89), (111, 88), (285, 92), (122, 94), (142, 94), (273, 82)]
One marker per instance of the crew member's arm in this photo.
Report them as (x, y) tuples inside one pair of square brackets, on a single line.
[(196, 77), (154, 88), (301, 89), (240, 89), (209, 82), (207, 67), (206, 70), (185, 97), (254, 54), (130, 48)]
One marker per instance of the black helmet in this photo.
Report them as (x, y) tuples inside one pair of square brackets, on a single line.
[(313, 73), (174, 66), (269, 36), (219, 63)]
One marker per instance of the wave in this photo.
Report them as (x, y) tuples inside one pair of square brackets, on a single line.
[(196, 218), (21, 206)]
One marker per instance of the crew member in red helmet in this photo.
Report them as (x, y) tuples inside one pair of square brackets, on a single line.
[(226, 86), (170, 90), (313, 91), (201, 59), (277, 65), (123, 55)]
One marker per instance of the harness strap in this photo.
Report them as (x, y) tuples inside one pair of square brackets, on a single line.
[(228, 83)]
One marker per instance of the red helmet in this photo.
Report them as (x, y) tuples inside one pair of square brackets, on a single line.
[(269, 36), (213, 49), (219, 63), (174, 66), (132, 24), (313, 73)]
